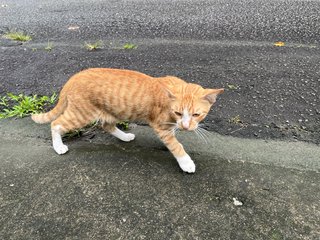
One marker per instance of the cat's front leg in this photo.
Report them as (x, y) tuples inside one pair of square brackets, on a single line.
[(186, 164), (184, 160)]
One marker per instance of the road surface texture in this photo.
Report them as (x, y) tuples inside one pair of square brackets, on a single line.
[(262, 150), (106, 189), (271, 92)]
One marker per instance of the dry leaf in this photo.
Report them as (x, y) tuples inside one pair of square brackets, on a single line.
[(279, 44)]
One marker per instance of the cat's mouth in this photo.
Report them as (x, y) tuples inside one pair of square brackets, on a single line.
[(188, 129), (187, 126), (180, 126)]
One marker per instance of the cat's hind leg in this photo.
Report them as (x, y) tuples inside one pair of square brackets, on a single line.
[(68, 121), (113, 130), (126, 137), (56, 132)]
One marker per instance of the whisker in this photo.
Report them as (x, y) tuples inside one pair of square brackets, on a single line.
[(205, 132), (208, 133), (171, 131), (197, 134), (168, 123), (205, 137), (200, 135)]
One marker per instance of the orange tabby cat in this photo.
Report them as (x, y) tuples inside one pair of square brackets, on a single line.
[(111, 95)]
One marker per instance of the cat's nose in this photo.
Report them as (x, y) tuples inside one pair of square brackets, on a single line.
[(185, 125)]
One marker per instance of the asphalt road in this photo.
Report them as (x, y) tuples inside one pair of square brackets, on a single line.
[(246, 20), (271, 92), (106, 188)]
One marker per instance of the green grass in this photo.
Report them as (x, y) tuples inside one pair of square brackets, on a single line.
[(21, 105), (123, 125), (236, 120), (74, 133), (276, 235), (232, 87), (82, 131), (18, 36), (93, 46), (49, 47), (129, 46)]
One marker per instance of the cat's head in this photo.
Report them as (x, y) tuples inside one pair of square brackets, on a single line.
[(190, 104)]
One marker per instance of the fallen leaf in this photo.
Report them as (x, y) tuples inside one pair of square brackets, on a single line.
[(279, 44)]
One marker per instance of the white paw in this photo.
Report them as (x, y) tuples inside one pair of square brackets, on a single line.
[(128, 137), (61, 149), (186, 164)]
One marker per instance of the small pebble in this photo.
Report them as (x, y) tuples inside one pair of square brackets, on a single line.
[(236, 202)]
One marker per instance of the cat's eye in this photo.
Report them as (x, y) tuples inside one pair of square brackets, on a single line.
[(195, 115), (178, 114)]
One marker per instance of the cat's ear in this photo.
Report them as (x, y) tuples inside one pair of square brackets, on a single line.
[(211, 94), (170, 94)]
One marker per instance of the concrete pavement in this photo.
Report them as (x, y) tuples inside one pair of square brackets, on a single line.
[(274, 91), (106, 189)]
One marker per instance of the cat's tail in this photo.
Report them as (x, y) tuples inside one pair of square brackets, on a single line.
[(53, 114)]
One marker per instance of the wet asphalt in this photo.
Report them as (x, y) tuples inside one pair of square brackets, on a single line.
[(271, 92), (104, 189)]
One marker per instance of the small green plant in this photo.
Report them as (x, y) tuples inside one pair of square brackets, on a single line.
[(3, 101), (82, 131), (236, 120), (276, 235), (123, 125), (129, 46), (18, 36), (22, 105), (49, 47), (93, 46), (74, 133), (232, 87)]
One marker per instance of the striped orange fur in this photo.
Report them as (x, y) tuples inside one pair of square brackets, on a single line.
[(112, 95)]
